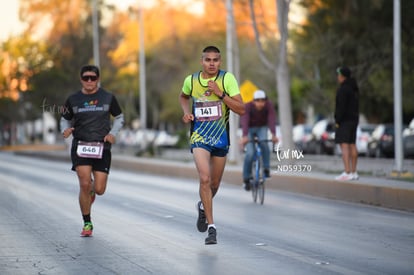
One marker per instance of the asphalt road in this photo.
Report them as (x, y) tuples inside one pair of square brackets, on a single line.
[(145, 224)]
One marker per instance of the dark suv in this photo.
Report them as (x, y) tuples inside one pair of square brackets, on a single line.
[(381, 142)]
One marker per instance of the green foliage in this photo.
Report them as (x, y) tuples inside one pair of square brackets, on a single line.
[(358, 34), (183, 138), (9, 110), (353, 33)]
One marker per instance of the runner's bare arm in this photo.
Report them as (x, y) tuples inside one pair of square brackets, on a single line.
[(185, 106), (235, 103)]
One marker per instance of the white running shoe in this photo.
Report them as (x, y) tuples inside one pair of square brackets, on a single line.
[(344, 176), (355, 176)]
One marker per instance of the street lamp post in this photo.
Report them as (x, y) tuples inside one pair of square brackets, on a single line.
[(95, 24), (234, 122), (142, 74), (397, 89)]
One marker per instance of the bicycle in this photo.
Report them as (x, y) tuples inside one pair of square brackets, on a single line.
[(257, 183)]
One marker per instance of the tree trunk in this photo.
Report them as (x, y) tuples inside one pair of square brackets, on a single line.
[(281, 71), (282, 77)]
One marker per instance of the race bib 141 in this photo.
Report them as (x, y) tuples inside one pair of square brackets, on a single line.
[(207, 111)]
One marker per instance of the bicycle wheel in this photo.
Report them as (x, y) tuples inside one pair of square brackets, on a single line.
[(256, 178), (261, 191), (254, 189)]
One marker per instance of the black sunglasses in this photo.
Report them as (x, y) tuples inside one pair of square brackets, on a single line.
[(89, 77)]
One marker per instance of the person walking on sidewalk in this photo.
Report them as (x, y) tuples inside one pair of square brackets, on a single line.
[(213, 93), (259, 117), (346, 119), (87, 117)]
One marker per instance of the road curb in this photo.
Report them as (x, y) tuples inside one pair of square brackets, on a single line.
[(384, 196)]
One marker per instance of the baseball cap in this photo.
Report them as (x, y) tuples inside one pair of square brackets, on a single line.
[(345, 71), (259, 94)]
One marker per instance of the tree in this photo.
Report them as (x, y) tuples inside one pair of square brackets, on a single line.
[(357, 34), (280, 67), (21, 60), (174, 38)]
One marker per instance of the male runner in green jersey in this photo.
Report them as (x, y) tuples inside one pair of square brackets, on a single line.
[(213, 93)]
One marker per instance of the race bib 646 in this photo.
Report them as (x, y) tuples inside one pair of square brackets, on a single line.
[(90, 149)]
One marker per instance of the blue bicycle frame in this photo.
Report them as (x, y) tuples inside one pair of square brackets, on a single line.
[(257, 183)]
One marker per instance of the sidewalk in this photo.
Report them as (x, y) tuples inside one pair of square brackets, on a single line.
[(378, 191), (374, 187)]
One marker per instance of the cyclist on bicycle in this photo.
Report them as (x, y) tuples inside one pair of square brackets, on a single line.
[(258, 118)]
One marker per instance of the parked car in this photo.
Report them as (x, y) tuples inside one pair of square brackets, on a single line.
[(323, 138), (364, 133), (408, 140), (302, 133), (381, 143), (164, 139), (141, 138)]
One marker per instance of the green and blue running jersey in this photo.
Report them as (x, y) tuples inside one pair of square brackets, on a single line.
[(211, 115)]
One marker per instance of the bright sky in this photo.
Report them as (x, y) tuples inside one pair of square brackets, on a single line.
[(11, 26), (9, 14)]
